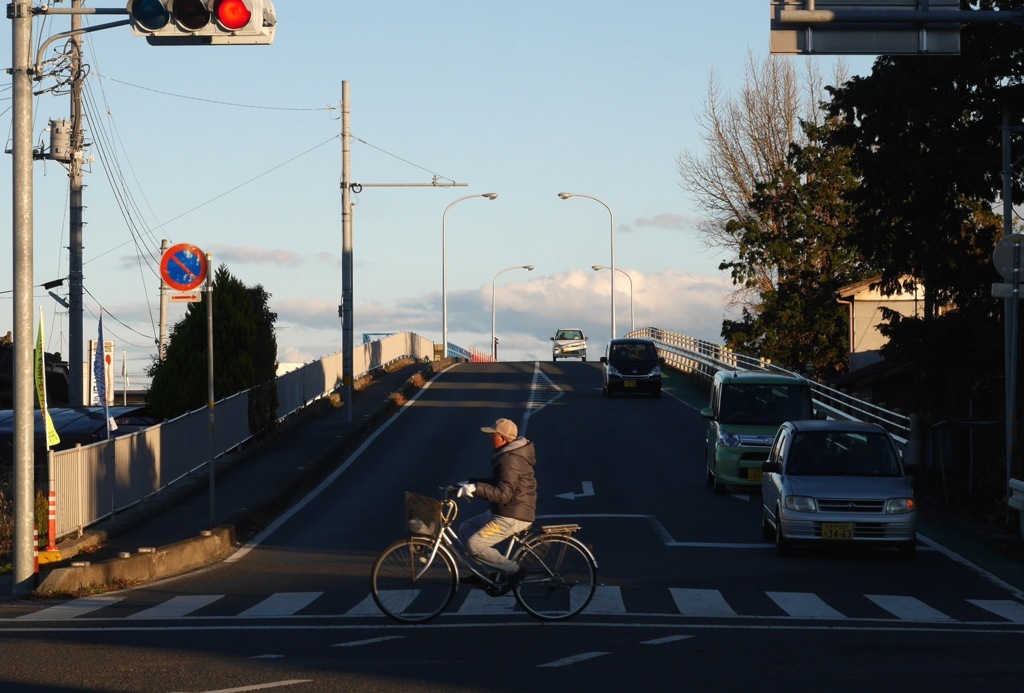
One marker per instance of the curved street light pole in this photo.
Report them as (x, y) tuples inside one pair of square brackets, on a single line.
[(611, 217), (444, 268), (494, 348), (632, 324)]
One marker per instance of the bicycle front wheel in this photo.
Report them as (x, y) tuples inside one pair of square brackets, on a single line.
[(407, 586), (560, 577)]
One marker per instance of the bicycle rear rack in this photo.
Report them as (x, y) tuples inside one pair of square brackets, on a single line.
[(559, 529)]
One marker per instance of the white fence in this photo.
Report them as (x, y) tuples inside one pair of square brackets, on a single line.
[(94, 481)]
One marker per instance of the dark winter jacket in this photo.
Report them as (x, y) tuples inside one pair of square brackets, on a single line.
[(512, 490)]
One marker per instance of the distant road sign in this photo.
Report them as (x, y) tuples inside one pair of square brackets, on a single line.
[(183, 267)]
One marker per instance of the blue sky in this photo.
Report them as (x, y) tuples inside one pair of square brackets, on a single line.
[(237, 151)]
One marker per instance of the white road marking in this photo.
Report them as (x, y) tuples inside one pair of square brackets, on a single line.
[(908, 608), (803, 605), (693, 602), (1010, 610), (71, 609), (176, 607), (281, 604), (566, 661)]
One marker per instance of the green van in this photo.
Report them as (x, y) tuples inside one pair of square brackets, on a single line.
[(745, 412)]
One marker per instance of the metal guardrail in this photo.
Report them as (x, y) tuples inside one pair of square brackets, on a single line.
[(703, 358)]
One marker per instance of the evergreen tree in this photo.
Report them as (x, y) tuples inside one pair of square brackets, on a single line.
[(797, 225), (244, 354)]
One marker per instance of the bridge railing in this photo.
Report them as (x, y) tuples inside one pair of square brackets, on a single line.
[(93, 482), (704, 359)]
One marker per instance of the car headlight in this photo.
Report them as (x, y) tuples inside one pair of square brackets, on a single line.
[(613, 371), (900, 506), (801, 504), (729, 440), (656, 371)]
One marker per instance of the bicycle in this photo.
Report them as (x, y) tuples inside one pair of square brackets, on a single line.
[(414, 579)]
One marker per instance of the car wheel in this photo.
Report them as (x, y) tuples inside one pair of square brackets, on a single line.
[(781, 543), (656, 394), (908, 550)]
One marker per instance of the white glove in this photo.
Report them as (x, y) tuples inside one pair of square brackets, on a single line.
[(466, 489)]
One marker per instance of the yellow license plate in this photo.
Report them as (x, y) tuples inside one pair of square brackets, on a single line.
[(837, 530), (628, 383), (754, 475)]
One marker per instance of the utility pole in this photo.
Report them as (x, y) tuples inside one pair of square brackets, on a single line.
[(20, 14), (345, 309), (76, 331), (347, 188)]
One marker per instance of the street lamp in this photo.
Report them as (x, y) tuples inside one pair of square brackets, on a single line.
[(632, 325), (494, 348), (566, 196), (444, 267)]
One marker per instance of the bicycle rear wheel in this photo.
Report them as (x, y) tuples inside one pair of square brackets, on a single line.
[(560, 577), (403, 596)]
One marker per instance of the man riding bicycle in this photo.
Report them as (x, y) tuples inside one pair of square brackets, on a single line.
[(512, 493)]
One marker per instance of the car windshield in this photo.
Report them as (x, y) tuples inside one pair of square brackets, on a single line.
[(842, 453), (769, 405), (639, 352), (569, 334)]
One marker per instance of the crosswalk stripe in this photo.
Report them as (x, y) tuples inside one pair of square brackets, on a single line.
[(71, 609), (1010, 610), (367, 607), (692, 602), (478, 602), (907, 608), (281, 604), (803, 605), (607, 600), (177, 607)]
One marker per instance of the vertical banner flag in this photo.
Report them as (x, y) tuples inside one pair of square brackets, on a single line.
[(40, 376), (100, 376)]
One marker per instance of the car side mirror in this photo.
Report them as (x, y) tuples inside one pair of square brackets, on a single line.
[(551, 338), (604, 359), (771, 468), (820, 415), (707, 413), (661, 360)]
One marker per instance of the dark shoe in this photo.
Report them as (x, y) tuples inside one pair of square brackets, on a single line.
[(516, 578)]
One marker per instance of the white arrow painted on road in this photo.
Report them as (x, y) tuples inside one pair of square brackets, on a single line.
[(588, 490)]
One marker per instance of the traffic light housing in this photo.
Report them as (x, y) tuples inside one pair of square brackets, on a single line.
[(203, 22)]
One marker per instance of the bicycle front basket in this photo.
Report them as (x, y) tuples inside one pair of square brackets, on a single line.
[(422, 513)]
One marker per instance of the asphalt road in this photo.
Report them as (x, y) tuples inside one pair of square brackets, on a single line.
[(690, 595)]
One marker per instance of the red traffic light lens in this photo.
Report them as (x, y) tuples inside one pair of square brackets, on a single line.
[(232, 14)]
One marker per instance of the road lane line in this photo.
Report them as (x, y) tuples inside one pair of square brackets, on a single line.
[(575, 659)]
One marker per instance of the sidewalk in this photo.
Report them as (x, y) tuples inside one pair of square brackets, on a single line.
[(175, 531)]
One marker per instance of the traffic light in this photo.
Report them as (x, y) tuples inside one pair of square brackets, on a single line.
[(203, 22)]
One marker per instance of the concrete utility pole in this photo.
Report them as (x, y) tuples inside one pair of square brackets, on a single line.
[(347, 188), (76, 331), (345, 309), (20, 14)]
